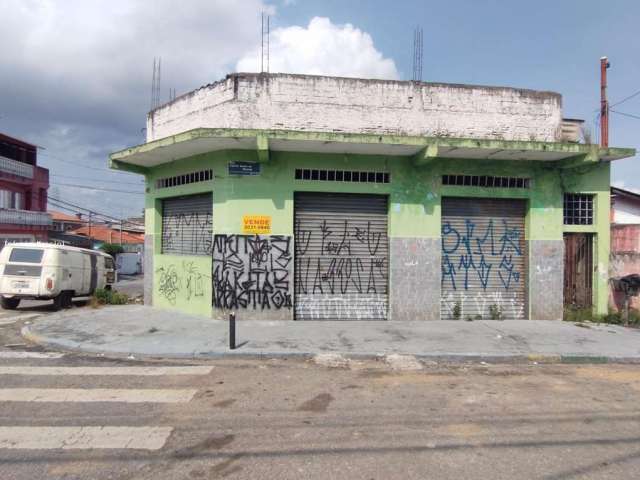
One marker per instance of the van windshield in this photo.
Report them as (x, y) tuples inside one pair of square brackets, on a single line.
[(26, 255)]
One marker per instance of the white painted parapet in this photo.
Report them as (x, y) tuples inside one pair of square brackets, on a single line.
[(333, 104)]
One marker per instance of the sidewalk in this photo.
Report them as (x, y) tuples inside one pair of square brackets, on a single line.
[(142, 331)]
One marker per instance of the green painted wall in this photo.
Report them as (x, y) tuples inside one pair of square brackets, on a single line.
[(415, 194)]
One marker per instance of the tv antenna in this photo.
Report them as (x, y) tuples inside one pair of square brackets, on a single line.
[(155, 83), (264, 58), (417, 54)]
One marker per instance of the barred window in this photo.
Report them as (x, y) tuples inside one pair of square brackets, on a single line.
[(341, 176), (578, 209), (486, 181), (177, 180)]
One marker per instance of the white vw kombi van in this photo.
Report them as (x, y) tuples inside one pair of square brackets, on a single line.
[(43, 271)]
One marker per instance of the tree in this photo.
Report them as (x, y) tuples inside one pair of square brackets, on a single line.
[(111, 248)]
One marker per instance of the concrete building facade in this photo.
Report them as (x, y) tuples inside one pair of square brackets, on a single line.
[(23, 193), (625, 241), (301, 197)]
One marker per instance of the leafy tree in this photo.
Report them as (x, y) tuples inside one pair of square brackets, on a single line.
[(111, 248)]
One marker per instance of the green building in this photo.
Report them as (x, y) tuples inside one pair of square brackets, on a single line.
[(294, 197)]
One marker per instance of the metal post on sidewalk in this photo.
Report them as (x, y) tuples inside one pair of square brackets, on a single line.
[(232, 331)]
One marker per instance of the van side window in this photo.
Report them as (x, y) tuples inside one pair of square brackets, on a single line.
[(108, 263), (26, 255)]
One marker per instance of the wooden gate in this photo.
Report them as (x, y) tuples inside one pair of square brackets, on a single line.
[(578, 270)]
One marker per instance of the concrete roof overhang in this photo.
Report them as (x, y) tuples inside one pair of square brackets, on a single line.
[(421, 149)]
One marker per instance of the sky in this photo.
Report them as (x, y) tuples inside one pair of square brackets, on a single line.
[(75, 75)]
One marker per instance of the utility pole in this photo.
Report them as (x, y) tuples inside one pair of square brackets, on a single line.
[(90, 238), (604, 104)]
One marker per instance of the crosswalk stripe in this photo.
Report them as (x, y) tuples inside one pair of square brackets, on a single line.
[(67, 438), (21, 354), (121, 370), (97, 395)]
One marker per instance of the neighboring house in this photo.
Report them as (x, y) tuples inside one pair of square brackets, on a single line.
[(100, 234), (625, 240), (23, 193), (63, 222), (301, 197)]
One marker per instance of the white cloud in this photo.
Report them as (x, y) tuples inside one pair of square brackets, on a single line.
[(322, 48), (76, 74)]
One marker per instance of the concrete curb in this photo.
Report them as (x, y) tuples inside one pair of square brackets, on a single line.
[(76, 347)]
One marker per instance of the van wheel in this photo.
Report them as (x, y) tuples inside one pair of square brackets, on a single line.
[(67, 301), (63, 300), (9, 303), (58, 301)]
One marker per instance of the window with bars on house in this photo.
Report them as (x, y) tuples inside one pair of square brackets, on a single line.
[(578, 209)]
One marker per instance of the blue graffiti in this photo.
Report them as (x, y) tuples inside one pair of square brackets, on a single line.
[(506, 271), (477, 249), (448, 270)]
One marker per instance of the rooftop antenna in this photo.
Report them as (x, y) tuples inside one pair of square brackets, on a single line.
[(264, 58), (417, 54), (155, 83)]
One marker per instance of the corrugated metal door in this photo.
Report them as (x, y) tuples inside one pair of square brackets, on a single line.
[(341, 257), (484, 259), (187, 225), (578, 270)]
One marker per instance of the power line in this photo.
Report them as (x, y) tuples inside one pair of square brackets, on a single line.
[(96, 188), (53, 157), (96, 180), (64, 202), (625, 99), (626, 114), (76, 208)]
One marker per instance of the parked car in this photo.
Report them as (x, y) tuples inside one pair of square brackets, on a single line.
[(43, 271)]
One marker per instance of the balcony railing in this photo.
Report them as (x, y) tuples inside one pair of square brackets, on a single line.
[(13, 167), (24, 217)]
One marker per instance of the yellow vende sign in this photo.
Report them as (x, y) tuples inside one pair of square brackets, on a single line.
[(257, 224)]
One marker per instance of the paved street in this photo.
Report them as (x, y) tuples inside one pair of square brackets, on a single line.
[(82, 417)]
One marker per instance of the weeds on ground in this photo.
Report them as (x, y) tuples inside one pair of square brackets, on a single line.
[(102, 296), (613, 317)]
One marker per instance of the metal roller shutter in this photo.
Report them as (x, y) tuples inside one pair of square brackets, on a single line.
[(484, 259), (341, 257), (187, 225)]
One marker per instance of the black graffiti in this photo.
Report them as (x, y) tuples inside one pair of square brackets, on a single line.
[(251, 271), (168, 283), (188, 282), (190, 232), (349, 258), (194, 280)]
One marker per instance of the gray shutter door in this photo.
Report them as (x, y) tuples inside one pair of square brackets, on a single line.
[(484, 259), (187, 225), (341, 257)]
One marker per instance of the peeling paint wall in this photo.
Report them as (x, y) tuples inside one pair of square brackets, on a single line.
[(330, 104), (415, 195)]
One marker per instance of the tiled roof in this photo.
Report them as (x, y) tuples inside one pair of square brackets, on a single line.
[(109, 235)]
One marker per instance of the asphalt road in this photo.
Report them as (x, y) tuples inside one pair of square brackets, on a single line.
[(132, 285), (95, 418)]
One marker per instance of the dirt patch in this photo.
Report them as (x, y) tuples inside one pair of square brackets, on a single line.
[(317, 404), (408, 378), (626, 375), (462, 430), (225, 403), (226, 467), (211, 443)]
